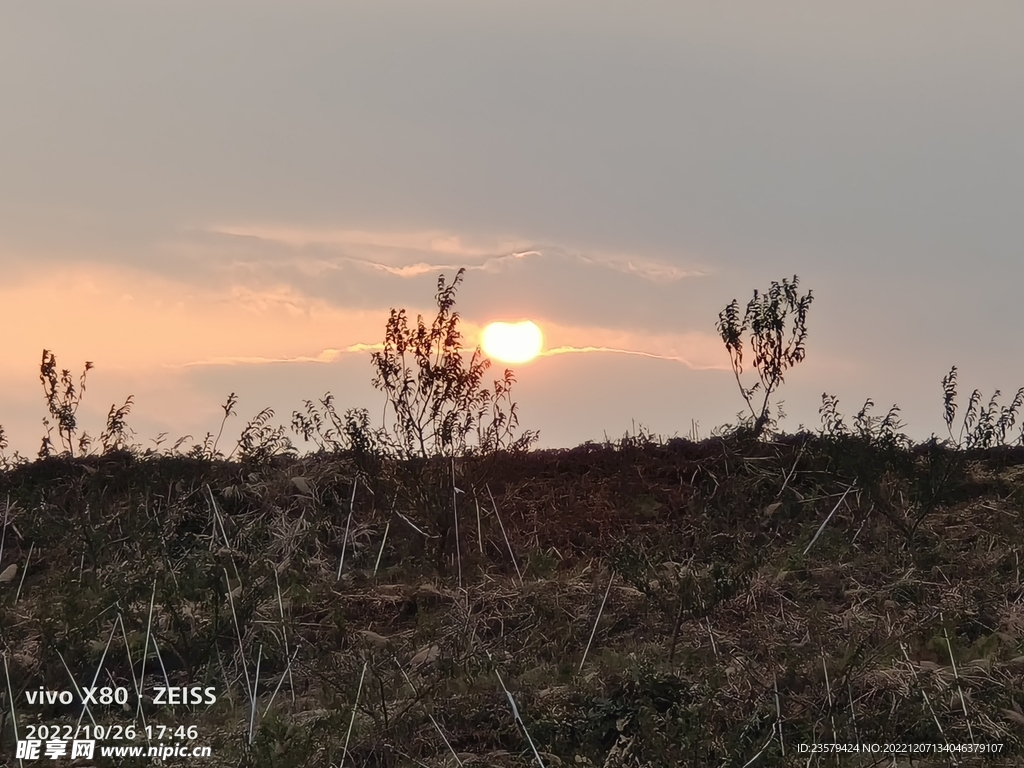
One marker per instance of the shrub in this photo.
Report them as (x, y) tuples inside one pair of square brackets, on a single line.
[(776, 346), (62, 401), (435, 396)]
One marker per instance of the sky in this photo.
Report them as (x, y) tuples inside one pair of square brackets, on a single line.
[(223, 196)]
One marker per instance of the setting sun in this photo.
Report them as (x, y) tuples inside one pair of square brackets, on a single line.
[(512, 342)]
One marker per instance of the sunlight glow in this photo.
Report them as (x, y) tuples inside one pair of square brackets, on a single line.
[(512, 342)]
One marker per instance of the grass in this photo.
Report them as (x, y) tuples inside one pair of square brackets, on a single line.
[(669, 611)]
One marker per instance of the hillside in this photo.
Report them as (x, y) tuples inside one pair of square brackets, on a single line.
[(642, 603)]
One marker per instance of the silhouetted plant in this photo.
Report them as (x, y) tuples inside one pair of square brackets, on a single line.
[(62, 401), (116, 435), (983, 426), (435, 396), (6, 462), (878, 430), (777, 326), (260, 442), (319, 423), (208, 450), (832, 423), (881, 430)]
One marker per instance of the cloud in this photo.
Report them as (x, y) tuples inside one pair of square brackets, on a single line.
[(327, 356), (424, 241), (639, 353), (405, 254), (133, 320)]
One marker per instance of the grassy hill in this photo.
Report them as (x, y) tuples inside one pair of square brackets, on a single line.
[(639, 603)]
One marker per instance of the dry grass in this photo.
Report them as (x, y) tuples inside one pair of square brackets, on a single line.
[(638, 604)]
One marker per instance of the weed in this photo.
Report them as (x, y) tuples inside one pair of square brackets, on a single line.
[(879, 431), (319, 423), (260, 442), (116, 435), (983, 426), (8, 462), (207, 451)]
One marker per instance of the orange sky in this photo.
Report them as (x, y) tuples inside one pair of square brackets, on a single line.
[(201, 200)]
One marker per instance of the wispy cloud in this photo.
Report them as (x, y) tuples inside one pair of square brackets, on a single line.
[(636, 352), (406, 254), (428, 241), (327, 356)]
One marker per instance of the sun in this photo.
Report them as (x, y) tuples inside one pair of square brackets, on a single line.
[(512, 342)]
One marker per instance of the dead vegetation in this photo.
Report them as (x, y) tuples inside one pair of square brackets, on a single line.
[(630, 604)]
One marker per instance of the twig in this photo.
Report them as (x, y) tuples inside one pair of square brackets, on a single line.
[(788, 477), (822, 528), (517, 718), (287, 673), (596, 621)]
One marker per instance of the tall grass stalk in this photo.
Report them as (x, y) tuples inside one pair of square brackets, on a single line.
[(956, 676), (255, 686), (505, 535), (10, 699), (348, 525), (287, 673), (445, 739), (284, 636), (853, 713), (3, 530), (761, 751), (455, 515), (28, 559), (160, 660), (597, 620), (238, 633), (479, 529), (78, 690), (516, 716), (825, 523), (831, 705), (924, 694), (352, 720), (380, 552), (145, 645), (131, 670)]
